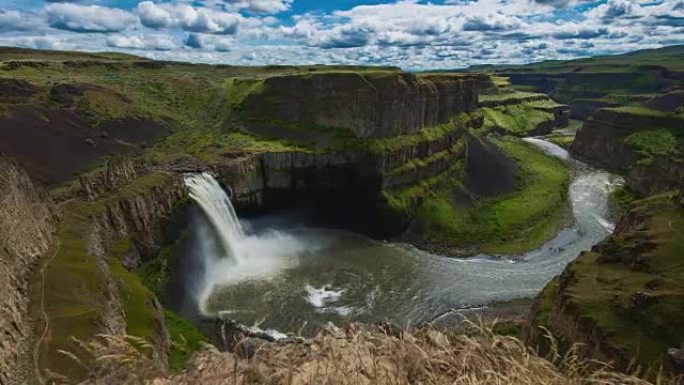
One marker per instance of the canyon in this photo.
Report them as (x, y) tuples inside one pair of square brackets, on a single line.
[(388, 154)]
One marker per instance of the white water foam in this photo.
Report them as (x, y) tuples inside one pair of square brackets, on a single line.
[(323, 297), (320, 297), (240, 256)]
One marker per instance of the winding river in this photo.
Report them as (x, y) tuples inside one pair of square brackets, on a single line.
[(292, 279)]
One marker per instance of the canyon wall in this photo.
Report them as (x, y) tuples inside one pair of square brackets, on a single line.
[(602, 140), (586, 92), (353, 179), (26, 226), (92, 284), (369, 104), (623, 299)]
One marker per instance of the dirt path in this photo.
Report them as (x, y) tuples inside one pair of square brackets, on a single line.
[(46, 319)]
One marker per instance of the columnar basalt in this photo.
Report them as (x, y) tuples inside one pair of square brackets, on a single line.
[(370, 105), (603, 140)]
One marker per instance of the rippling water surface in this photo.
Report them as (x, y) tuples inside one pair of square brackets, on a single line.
[(303, 277)]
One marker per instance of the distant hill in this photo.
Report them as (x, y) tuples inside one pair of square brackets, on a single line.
[(590, 84), (670, 58), (15, 53)]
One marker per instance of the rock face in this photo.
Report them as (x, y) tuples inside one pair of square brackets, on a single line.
[(353, 180), (26, 226), (370, 105), (623, 300), (116, 172), (137, 215), (583, 91), (92, 286), (601, 140)]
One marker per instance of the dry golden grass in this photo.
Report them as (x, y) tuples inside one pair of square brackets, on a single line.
[(361, 355)]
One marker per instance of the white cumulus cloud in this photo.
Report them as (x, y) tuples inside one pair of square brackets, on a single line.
[(88, 18), (188, 18)]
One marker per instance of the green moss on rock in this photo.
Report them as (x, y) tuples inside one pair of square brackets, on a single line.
[(625, 299), (185, 340), (509, 224), (653, 142)]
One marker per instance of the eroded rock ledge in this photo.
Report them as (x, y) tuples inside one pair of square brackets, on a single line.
[(623, 300), (370, 105), (603, 140)]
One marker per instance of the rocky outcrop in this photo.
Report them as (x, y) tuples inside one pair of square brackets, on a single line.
[(601, 140), (93, 288), (137, 212), (116, 172), (622, 301), (561, 115), (26, 226), (370, 104), (355, 177), (583, 91), (16, 90)]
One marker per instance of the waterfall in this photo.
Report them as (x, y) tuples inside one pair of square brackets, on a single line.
[(216, 205), (226, 255)]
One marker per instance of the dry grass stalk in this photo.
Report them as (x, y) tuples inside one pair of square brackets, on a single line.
[(368, 355)]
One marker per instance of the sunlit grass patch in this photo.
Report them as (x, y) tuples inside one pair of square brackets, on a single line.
[(509, 224)]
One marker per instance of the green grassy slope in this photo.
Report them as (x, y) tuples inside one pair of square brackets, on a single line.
[(15, 53), (519, 113), (671, 58), (74, 298), (603, 81), (508, 224), (629, 290)]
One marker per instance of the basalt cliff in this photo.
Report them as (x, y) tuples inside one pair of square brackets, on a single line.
[(371, 148), (622, 300), (369, 105)]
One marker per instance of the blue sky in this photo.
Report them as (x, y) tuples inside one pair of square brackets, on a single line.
[(412, 34)]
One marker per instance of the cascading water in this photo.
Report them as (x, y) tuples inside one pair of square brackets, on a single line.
[(225, 253), (215, 203), (305, 276)]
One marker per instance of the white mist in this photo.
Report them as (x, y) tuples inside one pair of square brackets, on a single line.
[(239, 256)]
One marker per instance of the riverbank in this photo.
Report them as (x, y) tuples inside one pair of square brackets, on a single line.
[(454, 223), (343, 277)]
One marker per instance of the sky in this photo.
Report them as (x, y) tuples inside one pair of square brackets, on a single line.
[(411, 34)]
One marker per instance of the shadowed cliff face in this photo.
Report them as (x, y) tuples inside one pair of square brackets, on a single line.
[(370, 105), (607, 139), (489, 172)]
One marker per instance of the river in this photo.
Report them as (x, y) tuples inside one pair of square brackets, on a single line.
[(291, 279)]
